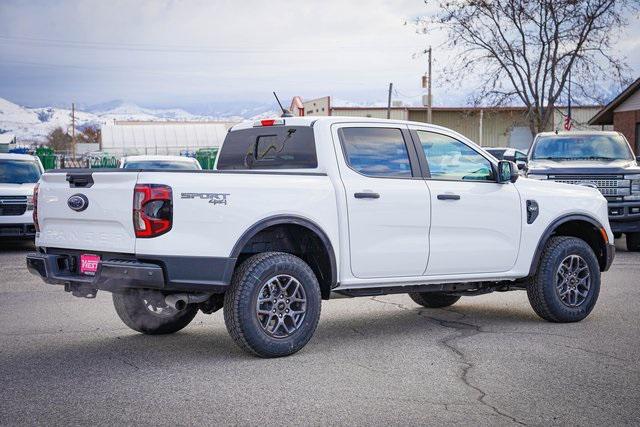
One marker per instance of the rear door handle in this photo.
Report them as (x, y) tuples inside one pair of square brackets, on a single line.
[(448, 197), (366, 195)]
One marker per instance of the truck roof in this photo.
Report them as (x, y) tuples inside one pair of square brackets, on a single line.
[(158, 157), (311, 120), (579, 132), (12, 156)]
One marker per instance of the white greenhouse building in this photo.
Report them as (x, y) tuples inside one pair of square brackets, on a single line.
[(136, 138)]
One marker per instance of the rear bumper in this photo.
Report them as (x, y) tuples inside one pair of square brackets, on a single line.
[(119, 272), (17, 231)]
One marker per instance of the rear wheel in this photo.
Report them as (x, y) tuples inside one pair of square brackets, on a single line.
[(633, 242), (273, 305), (567, 284), (433, 299), (145, 311)]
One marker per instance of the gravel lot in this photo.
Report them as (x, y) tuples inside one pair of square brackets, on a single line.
[(489, 360)]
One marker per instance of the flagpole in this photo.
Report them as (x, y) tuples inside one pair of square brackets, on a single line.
[(568, 123)]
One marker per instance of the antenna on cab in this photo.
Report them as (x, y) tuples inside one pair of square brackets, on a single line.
[(285, 112)]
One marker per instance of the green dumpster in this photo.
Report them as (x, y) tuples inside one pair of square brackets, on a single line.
[(47, 157), (207, 157)]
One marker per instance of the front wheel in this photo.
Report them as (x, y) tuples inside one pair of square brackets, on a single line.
[(145, 311), (272, 307), (633, 242), (566, 286)]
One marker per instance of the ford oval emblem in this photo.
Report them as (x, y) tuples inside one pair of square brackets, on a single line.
[(78, 202)]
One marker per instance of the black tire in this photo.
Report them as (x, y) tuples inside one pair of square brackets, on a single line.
[(633, 242), (132, 310), (433, 299), (542, 290), (248, 328)]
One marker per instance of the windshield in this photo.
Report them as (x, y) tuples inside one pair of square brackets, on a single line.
[(161, 164), (18, 172), (581, 147)]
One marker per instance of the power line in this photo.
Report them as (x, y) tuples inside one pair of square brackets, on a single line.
[(149, 47)]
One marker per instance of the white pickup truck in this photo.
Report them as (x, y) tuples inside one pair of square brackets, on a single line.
[(18, 176), (302, 208)]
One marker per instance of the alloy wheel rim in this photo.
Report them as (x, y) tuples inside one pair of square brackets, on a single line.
[(573, 281), (281, 306), (156, 310)]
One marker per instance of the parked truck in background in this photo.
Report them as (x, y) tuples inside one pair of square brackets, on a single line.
[(18, 176), (303, 208), (601, 160)]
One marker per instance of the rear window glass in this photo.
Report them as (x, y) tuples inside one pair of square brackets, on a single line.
[(273, 147)]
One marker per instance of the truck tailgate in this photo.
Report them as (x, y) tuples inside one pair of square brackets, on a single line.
[(105, 224)]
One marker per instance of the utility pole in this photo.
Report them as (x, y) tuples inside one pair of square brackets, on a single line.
[(73, 129), (429, 118), (389, 101)]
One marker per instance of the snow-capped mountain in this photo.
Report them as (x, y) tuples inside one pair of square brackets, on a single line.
[(34, 124), (122, 110)]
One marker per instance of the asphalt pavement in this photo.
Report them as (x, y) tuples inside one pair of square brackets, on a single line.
[(487, 360)]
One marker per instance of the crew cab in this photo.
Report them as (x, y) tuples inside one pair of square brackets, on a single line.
[(598, 159), (18, 176), (301, 209)]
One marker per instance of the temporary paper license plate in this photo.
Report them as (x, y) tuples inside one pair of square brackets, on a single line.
[(89, 264)]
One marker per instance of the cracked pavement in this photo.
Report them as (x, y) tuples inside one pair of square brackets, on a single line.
[(487, 360)]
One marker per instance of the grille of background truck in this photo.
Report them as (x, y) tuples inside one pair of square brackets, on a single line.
[(13, 205), (609, 185)]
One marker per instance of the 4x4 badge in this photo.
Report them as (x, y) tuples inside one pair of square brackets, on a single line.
[(214, 198)]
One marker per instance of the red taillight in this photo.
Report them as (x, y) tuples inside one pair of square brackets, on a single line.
[(152, 210), (35, 207)]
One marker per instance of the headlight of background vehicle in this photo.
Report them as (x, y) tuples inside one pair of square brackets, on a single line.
[(635, 186), (29, 203), (533, 176)]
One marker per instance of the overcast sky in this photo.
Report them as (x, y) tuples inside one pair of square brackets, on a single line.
[(163, 53)]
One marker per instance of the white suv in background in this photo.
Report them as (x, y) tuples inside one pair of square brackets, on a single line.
[(18, 175), (159, 162)]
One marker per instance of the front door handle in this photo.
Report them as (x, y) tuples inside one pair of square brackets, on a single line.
[(366, 195), (448, 197)]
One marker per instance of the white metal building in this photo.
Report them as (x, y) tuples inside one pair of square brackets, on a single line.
[(161, 137)]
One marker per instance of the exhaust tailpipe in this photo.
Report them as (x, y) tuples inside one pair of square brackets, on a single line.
[(180, 301)]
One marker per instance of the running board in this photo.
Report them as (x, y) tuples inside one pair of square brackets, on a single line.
[(385, 290)]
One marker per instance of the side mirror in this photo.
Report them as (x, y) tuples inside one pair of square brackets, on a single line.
[(522, 165), (507, 172), (638, 159)]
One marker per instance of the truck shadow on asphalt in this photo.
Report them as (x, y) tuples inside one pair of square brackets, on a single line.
[(22, 246), (203, 342)]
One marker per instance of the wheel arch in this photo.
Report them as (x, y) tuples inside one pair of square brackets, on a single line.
[(581, 226), (324, 265)]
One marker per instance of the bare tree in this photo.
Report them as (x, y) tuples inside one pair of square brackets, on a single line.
[(525, 50), (89, 135), (59, 140)]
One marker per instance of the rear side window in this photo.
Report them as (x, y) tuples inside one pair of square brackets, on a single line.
[(273, 147), (376, 151)]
